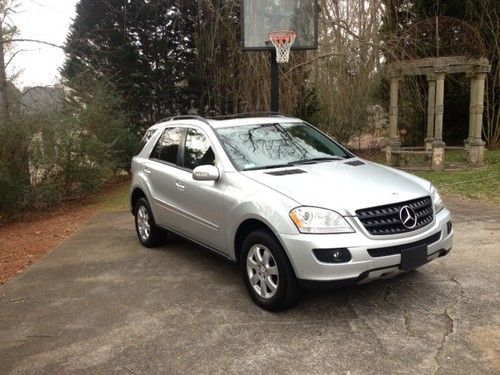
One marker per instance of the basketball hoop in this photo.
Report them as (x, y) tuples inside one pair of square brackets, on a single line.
[(282, 41)]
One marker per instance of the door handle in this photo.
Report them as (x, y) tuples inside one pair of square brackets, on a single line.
[(147, 170), (179, 185)]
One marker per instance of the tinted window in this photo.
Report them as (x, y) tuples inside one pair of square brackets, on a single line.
[(168, 145), (197, 151)]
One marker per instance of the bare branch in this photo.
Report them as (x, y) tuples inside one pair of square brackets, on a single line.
[(312, 60), (18, 40)]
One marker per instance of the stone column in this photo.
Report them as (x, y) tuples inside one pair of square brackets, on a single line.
[(438, 145), (393, 143), (476, 144), (472, 106), (431, 103)]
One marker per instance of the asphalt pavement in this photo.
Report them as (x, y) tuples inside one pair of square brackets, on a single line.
[(101, 303)]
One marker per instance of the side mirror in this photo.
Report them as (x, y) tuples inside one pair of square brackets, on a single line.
[(206, 173)]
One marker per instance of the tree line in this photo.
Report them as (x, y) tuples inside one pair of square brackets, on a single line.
[(131, 63)]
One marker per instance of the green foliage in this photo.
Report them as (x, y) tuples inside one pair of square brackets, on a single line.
[(169, 57), (14, 170), (69, 150), (144, 48)]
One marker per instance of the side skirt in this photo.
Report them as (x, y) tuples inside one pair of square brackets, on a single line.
[(218, 252)]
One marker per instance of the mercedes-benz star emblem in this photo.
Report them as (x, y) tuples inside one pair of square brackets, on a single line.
[(408, 217)]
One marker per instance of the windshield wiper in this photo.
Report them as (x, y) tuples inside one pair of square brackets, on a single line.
[(315, 160)]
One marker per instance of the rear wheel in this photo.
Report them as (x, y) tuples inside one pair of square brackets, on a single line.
[(148, 233), (267, 272)]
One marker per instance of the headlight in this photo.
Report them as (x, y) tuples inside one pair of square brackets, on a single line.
[(436, 199), (319, 220)]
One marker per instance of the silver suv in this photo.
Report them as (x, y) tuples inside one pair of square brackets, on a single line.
[(284, 201)]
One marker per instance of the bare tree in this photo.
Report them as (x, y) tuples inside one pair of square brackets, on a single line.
[(346, 81), (486, 16)]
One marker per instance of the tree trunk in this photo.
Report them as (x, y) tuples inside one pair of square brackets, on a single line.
[(4, 98)]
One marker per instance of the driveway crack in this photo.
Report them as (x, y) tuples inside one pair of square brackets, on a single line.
[(406, 315), (449, 326), (365, 323)]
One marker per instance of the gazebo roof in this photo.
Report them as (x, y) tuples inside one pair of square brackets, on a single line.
[(446, 64), (439, 45)]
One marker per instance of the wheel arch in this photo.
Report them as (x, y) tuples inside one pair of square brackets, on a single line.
[(136, 194), (249, 225)]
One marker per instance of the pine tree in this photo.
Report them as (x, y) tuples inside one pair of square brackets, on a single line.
[(145, 48)]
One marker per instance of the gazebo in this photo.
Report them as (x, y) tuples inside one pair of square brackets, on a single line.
[(458, 49)]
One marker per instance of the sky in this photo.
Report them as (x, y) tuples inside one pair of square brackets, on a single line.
[(47, 20)]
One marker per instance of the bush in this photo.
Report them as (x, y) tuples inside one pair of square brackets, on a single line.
[(67, 150)]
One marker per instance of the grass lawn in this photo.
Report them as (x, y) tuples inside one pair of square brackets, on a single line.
[(478, 184)]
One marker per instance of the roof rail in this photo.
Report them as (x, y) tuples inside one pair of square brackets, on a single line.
[(184, 117), (248, 114)]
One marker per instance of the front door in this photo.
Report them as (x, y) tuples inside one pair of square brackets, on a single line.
[(200, 203)]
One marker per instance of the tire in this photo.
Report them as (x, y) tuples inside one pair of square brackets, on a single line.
[(260, 276), (148, 233)]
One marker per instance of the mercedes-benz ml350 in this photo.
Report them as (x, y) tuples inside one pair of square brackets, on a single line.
[(292, 207)]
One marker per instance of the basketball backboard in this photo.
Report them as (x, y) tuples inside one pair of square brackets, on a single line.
[(260, 17)]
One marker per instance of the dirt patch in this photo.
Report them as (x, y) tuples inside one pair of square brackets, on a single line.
[(32, 235)]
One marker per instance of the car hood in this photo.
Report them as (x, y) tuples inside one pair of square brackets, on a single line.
[(343, 187)]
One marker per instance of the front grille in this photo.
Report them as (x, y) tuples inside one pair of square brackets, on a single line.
[(392, 250), (383, 220)]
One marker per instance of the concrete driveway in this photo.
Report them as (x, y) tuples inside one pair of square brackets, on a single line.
[(100, 303)]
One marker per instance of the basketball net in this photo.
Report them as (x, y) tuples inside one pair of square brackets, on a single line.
[(282, 41)]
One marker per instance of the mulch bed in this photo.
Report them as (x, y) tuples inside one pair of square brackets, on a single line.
[(33, 234)]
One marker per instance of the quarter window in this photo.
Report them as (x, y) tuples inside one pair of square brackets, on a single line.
[(197, 150), (167, 147)]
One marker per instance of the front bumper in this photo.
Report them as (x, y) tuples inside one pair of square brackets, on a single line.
[(362, 267)]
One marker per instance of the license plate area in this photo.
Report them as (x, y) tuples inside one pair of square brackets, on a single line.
[(413, 257)]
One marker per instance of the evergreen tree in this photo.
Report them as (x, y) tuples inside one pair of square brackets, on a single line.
[(145, 48)]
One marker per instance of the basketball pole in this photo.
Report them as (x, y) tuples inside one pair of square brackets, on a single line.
[(275, 83)]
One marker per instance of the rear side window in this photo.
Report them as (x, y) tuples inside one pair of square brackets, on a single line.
[(167, 147), (197, 150)]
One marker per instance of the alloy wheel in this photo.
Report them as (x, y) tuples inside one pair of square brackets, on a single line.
[(143, 225), (262, 271)]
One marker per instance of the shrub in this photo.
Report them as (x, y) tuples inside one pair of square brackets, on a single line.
[(68, 150)]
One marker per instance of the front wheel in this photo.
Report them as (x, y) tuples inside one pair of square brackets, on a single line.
[(267, 272), (148, 233)]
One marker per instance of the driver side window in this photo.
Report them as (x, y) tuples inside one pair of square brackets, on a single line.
[(197, 150)]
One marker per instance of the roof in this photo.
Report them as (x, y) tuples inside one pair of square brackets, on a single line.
[(249, 121), (224, 122)]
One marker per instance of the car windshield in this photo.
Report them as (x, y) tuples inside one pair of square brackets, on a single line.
[(276, 145)]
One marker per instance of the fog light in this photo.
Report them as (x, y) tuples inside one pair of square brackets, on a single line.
[(340, 255), (337, 254), (449, 226)]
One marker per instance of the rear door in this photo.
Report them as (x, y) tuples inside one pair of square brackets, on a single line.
[(200, 203)]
